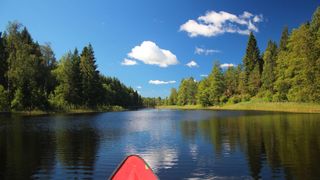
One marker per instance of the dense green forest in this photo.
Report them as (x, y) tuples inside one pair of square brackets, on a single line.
[(288, 72), (32, 79)]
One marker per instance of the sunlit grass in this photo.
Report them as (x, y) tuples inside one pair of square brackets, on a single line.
[(259, 106)]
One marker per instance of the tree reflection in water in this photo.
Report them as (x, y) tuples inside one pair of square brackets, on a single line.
[(287, 143)]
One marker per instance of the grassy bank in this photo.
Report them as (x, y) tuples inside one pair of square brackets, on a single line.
[(257, 106), (68, 111)]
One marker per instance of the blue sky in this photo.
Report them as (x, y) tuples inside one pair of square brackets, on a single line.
[(158, 38)]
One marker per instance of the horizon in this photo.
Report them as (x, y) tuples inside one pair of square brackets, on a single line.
[(152, 50)]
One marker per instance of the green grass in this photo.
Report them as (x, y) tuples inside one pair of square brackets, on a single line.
[(69, 111), (258, 106)]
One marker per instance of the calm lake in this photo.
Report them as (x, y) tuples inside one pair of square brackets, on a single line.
[(177, 144)]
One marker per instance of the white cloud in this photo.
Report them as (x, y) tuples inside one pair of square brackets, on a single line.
[(204, 75), (192, 64), (226, 65), (158, 82), (205, 51), (149, 53), (214, 23), (258, 18), (128, 62), (139, 87)]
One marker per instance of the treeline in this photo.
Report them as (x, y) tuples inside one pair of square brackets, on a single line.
[(32, 79), (288, 72)]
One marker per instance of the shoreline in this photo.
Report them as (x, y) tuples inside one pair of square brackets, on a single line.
[(255, 106), (67, 112)]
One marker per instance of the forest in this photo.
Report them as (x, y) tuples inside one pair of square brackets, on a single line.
[(32, 79), (285, 72)]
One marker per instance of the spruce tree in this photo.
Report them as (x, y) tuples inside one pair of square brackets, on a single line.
[(187, 92), (284, 39), (216, 84), (242, 88), (3, 62), (231, 81), (91, 86), (75, 79), (203, 93), (268, 74), (254, 81), (252, 64), (315, 55), (300, 72), (282, 84)]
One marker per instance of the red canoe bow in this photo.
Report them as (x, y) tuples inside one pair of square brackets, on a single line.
[(134, 168)]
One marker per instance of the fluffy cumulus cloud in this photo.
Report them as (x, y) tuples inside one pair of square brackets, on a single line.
[(149, 53), (128, 62), (204, 51), (215, 23), (226, 65), (158, 82), (192, 64)]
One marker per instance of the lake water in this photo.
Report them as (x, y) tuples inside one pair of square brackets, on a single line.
[(177, 144)]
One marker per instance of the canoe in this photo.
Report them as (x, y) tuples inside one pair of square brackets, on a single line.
[(133, 167)]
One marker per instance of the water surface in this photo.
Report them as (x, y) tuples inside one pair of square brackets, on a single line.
[(177, 144)]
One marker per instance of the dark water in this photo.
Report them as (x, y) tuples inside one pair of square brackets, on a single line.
[(176, 144)]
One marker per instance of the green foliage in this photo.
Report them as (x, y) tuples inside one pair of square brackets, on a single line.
[(242, 86), (3, 61), (284, 39), (234, 99), (288, 73), (253, 66), (91, 86), (173, 96), (203, 92), (4, 100), (75, 83), (231, 81), (31, 79), (216, 84), (252, 56), (17, 102), (268, 75), (187, 92)]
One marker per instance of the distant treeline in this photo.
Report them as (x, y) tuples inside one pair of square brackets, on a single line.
[(288, 72), (32, 79)]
